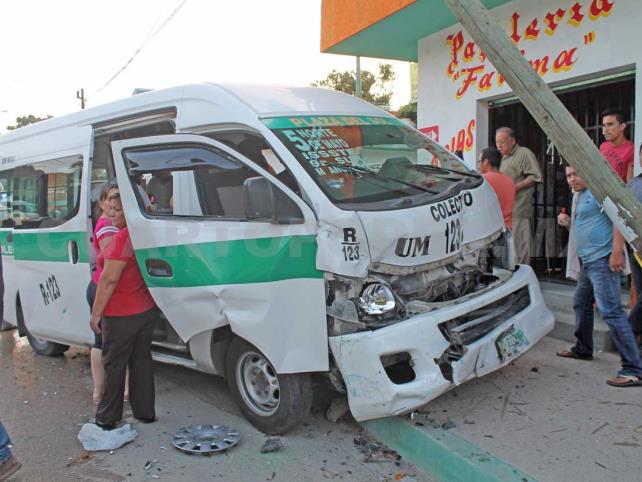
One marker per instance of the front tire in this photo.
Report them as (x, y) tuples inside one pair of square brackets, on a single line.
[(40, 346), (274, 403)]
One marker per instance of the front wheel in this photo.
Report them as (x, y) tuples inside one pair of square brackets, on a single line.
[(274, 403), (40, 346)]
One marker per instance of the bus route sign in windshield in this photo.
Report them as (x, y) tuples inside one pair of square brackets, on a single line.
[(364, 159)]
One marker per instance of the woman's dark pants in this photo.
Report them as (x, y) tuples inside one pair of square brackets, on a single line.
[(127, 342)]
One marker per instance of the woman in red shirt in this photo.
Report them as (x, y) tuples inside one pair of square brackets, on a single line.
[(125, 313)]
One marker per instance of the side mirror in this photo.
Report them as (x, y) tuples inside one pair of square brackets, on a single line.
[(263, 202)]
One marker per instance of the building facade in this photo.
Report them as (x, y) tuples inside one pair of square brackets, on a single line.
[(585, 50)]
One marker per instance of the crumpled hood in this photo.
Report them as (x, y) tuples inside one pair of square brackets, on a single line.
[(433, 231), (350, 242)]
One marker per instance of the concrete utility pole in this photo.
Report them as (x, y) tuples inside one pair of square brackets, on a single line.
[(80, 95), (618, 202), (358, 78)]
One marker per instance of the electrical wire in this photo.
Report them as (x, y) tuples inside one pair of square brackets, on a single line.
[(144, 43)]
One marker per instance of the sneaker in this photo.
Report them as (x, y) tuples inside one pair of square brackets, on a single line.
[(9, 467)]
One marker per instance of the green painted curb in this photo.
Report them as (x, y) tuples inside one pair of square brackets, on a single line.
[(443, 454)]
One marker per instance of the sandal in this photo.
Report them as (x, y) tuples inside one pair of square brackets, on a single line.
[(625, 381), (572, 354)]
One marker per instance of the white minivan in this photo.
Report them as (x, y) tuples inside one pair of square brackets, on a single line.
[(292, 231)]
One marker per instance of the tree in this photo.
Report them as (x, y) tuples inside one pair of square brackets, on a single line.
[(408, 111), (26, 120), (374, 88)]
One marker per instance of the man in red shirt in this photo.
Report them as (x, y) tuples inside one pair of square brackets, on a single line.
[(503, 185), (617, 149)]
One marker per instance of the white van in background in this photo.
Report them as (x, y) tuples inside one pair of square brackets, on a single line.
[(293, 231)]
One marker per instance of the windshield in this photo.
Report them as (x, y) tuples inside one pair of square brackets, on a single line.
[(372, 163)]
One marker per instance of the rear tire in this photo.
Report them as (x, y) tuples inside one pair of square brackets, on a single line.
[(274, 403), (40, 346)]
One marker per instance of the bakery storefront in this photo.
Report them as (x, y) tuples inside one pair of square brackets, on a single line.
[(587, 51)]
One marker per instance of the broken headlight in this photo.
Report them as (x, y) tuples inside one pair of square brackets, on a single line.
[(376, 299)]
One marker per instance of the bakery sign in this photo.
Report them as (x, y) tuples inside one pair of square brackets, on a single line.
[(468, 67)]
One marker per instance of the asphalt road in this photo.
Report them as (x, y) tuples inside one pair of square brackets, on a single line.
[(44, 401)]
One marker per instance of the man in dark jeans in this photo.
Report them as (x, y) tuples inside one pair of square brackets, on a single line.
[(8, 462), (600, 248)]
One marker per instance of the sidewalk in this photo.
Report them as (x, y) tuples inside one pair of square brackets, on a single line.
[(541, 418)]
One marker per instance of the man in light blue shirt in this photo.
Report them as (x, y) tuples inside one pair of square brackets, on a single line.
[(600, 248)]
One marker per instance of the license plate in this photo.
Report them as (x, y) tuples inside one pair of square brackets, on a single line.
[(510, 343)]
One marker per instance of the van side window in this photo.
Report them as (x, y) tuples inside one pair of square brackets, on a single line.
[(45, 194), (257, 150), (190, 180)]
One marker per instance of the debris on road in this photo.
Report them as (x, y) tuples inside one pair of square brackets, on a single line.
[(272, 445), (94, 438), (448, 424), (375, 451), (81, 459)]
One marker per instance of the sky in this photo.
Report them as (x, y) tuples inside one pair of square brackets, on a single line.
[(51, 49)]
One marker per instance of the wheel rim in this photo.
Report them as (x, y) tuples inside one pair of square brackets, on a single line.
[(258, 384)]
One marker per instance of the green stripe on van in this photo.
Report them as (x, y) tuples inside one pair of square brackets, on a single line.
[(52, 247), (258, 260), (293, 122)]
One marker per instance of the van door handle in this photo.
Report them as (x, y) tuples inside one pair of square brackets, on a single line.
[(9, 237), (72, 251), (158, 268)]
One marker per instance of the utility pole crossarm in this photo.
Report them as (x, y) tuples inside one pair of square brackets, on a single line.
[(618, 202)]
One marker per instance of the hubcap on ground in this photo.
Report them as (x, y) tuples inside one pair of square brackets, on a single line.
[(205, 439)]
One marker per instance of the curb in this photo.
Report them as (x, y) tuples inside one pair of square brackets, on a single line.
[(443, 454)]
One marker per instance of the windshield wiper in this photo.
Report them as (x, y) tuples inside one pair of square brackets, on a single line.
[(363, 170), (428, 167)]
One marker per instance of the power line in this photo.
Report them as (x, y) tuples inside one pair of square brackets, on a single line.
[(146, 40)]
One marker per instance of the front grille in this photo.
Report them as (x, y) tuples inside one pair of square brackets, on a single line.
[(472, 326)]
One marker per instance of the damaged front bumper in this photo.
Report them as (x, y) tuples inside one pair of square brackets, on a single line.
[(438, 352)]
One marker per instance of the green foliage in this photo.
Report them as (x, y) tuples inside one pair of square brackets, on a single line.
[(374, 88), (26, 120), (408, 111)]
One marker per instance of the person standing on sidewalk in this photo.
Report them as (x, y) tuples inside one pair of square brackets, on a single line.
[(616, 148), (489, 163), (600, 248), (520, 164)]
